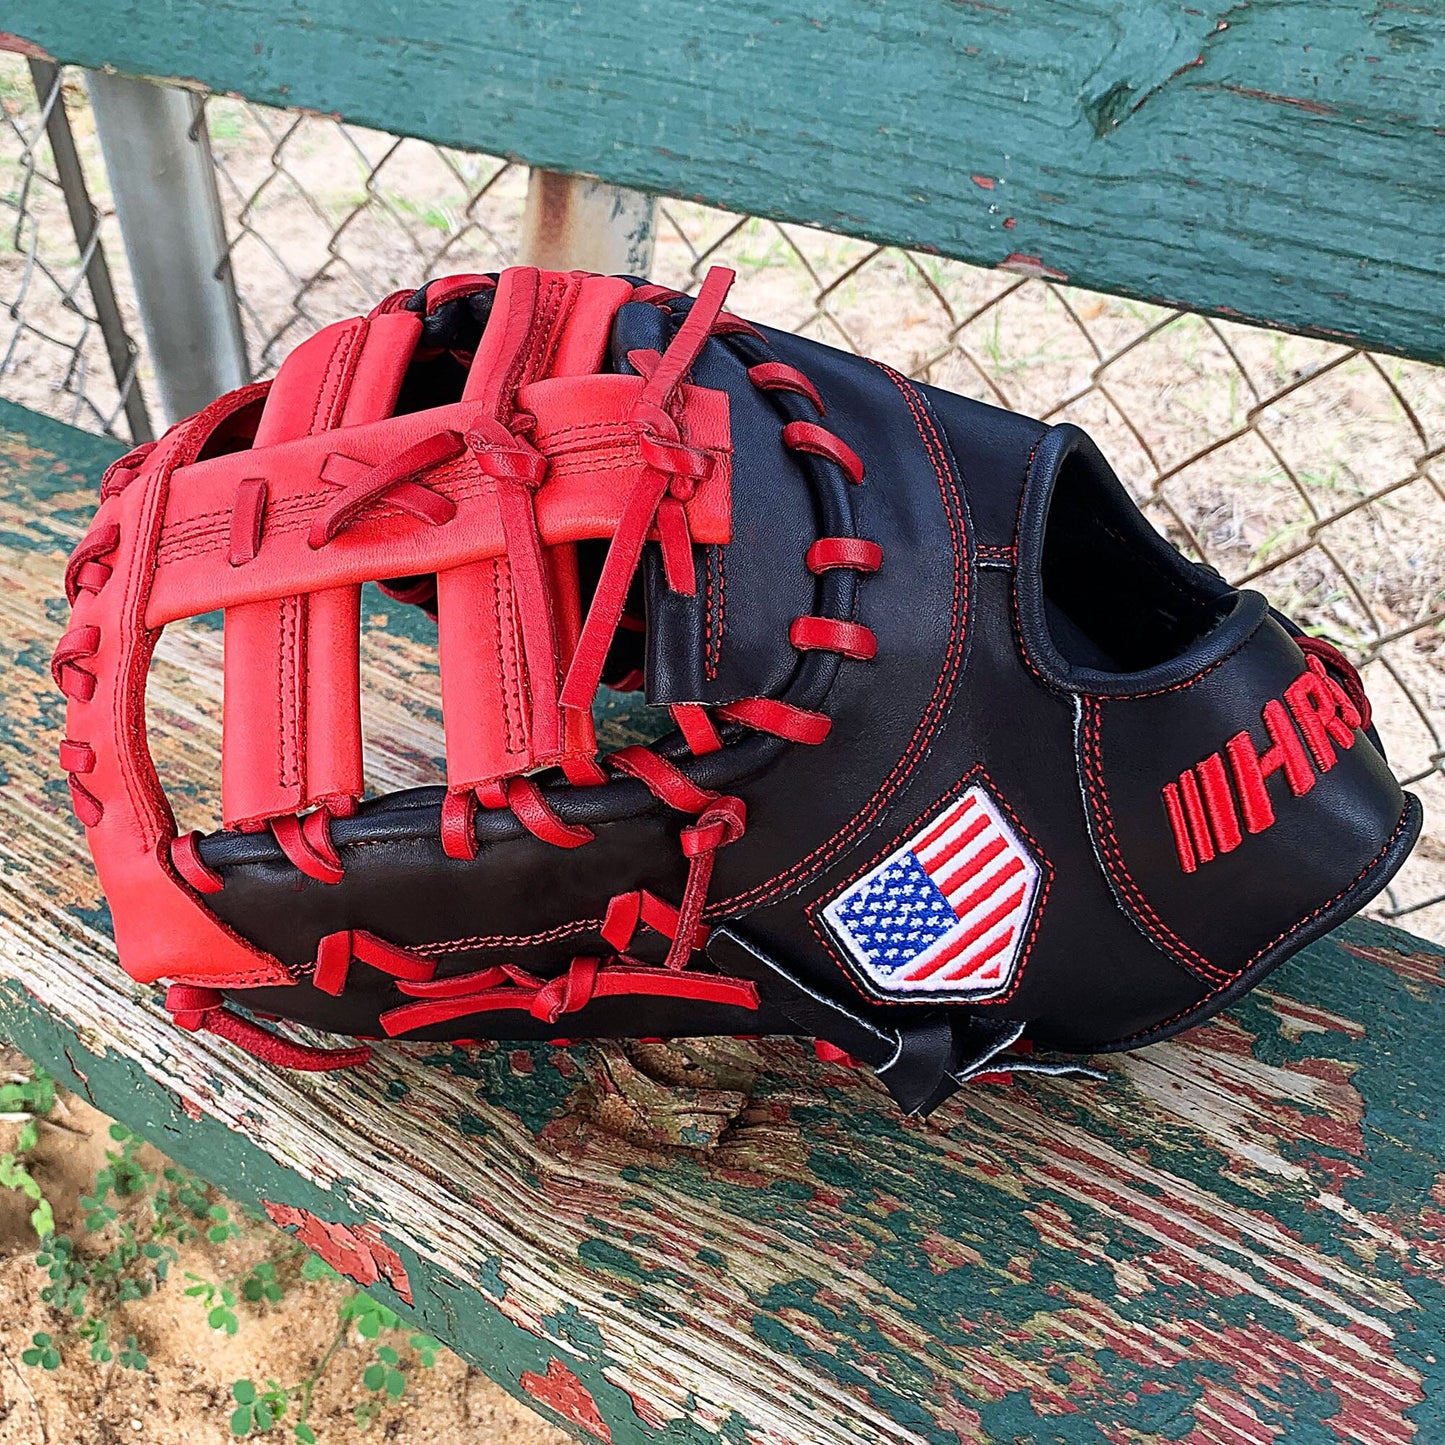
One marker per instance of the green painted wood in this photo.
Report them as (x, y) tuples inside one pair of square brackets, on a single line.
[(1237, 1238), (1276, 160)]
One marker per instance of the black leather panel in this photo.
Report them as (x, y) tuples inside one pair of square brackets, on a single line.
[(730, 638), (1233, 906)]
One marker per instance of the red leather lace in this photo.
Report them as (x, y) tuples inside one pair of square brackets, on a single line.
[(1329, 663), (204, 1010)]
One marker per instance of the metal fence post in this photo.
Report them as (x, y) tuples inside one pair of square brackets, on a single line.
[(85, 223), (158, 156), (578, 223)]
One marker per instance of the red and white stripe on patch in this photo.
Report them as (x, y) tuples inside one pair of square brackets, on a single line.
[(947, 913)]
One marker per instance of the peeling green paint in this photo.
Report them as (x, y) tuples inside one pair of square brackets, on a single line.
[(1271, 162)]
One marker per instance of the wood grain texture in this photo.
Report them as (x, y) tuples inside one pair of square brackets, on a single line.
[(1237, 1238), (1274, 160)]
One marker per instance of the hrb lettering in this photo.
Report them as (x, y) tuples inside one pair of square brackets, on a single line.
[(1306, 731)]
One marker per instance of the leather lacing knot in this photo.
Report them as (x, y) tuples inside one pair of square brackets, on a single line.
[(723, 821)]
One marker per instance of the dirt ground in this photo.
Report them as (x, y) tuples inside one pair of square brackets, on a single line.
[(184, 1398)]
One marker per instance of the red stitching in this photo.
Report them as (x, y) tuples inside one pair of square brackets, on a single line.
[(710, 651), (348, 376), (1275, 942), (512, 716), (288, 745), (482, 942), (1118, 870), (722, 604)]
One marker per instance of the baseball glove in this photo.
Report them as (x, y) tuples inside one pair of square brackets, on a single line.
[(959, 755)]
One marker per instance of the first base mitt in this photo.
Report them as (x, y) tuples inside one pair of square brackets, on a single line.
[(958, 752)]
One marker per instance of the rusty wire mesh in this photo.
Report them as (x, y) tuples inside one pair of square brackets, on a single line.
[(1311, 470)]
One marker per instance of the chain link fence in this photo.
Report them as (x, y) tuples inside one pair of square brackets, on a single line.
[(1307, 468), (65, 347)]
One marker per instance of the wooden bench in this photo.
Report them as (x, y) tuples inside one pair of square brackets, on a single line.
[(1238, 1236)]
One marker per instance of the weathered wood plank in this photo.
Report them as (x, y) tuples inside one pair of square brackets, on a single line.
[(1277, 161), (1239, 1237)]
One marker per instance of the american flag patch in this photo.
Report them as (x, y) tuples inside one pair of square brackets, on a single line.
[(948, 911)]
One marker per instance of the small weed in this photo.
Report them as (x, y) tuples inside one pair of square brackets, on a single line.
[(259, 1409), (135, 1222), (26, 1102)]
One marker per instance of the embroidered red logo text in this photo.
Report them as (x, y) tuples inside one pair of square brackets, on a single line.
[(1214, 803)]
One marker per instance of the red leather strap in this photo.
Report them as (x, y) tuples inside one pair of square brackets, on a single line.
[(88, 808), (828, 634), (85, 570), (1327, 661), (455, 288), (459, 823), (855, 553), (687, 343), (308, 845), (203, 1009), (390, 304), (76, 757), (187, 861), (333, 963), (458, 985), (674, 467), (663, 779), (722, 822), (609, 597), (76, 646), (609, 982), (535, 814), (336, 951), (384, 480), (696, 727), (779, 376), (248, 518), (808, 436), (508, 625), (782, 719), (568, 992)]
